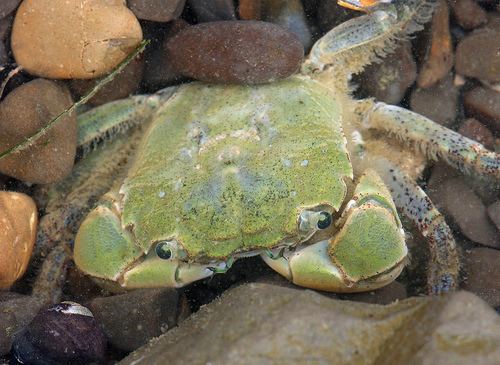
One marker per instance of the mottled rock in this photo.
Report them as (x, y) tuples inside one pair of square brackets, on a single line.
[(438, 102), (456, 199), (157, 10), (131, 319), (22, 113), (265, 324), (18, 222), (473, 129), (477, 55), (122, 86), (482, 274), (288, 14), (439, 56), (244, 52), (388, 81), (468, 13), (213, 10), (16, 312), (73, 39), (484, 104), (494, 213)]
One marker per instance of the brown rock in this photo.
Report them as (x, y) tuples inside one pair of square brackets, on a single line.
[(438, 102), (494, 213), (157, 10), (18, 222), (73, 39), (250, 9), (468, 13), (482, 274), (5, 26), (388, 81), (484, 103), (473, 129), (22, 113), (244, 52), (454, 198), (439, 59), (212, 10), (123, 85), (477, 55), (7, 7)]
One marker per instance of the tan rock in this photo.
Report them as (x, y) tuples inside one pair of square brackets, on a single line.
[(73, 38), (18, 221)]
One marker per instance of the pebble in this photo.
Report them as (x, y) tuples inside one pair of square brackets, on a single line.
[(23, 112), (389, 80), (439, 57), (484, 104), (473, 129), (456, 199), (266, 324), (157, 10), (7, 7), (45, 42), (468, 13), (477, 55), (65, 333), (16, 312), (250, 9), (494, 213), (212, 10), (439, 102), (18, 223), (131, 319), (123, 85), (5, 27), (288, 14), (243, 52), (482, 274)]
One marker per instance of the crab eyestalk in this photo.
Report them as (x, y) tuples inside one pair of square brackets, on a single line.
[(367, 253)]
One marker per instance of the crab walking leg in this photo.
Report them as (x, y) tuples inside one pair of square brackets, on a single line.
[(367, 253), (442, 275), (434, 140), (105, 121)]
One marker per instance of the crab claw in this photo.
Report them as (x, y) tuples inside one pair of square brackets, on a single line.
[(367, 253), (107, 251), (361, 5)]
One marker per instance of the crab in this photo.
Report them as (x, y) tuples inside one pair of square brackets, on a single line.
[(296, 171)]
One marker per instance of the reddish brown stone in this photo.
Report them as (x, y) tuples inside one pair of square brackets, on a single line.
[(250, 9), (484, 103), (242, 52), (473, 129), (157, 10), (468, 13)]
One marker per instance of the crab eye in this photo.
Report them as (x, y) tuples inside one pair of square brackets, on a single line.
[(324, 221), (163, 250)]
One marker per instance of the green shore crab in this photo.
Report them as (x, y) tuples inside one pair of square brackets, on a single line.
[(293, 171)]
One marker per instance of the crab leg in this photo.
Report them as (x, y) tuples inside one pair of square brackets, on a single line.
[(434, 140), (442, 275)]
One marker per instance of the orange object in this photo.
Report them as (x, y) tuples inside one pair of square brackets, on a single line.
[(361, 5)]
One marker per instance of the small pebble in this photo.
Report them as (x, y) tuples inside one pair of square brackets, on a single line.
[(482, 274), (484, 104), (18, 222), (388, 80), (22, 113), (468, 13), (438, 102), (157, 10), (473, 129), (213, 10), (243, 52), (250, 9), (477, 55), (66, 333), (439, 58), (66, 39)]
